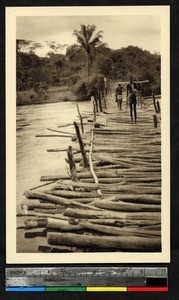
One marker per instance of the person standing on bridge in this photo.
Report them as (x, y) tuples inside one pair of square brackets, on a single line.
[(132, 89), (119, 90)]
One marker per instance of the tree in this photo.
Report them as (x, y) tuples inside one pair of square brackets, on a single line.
[(88, 41)]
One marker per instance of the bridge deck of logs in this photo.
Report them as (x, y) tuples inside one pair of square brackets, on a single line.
[(111, 198)]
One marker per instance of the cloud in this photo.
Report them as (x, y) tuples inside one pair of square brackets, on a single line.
[(118, 31)]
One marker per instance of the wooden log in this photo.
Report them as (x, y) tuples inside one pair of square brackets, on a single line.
[(123, 206), (81, 144), (35, 223), (41, 215), (131, 189), (81, 118), (148, 180), (92, 186), (65, 125), (65, 132), (31, 206), (75, 151), (153, 227), (85, 200), (50, 211), (59, 200), (72, 163), (72, 194), (111, 242), (53, 135), (103, 214), (112, 180), (47, 197), (54, 177), (125, 223), (121, 231), (62, 225), (130, 198)]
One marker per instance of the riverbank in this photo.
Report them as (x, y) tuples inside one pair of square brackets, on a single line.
[(50, 95)]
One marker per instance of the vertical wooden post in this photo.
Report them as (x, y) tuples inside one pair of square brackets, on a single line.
[(72, 163), (94, 111), (155, 107), (82, 148), (100, 104), (96, 101), (155, 121), (158, 106), (81, 119)]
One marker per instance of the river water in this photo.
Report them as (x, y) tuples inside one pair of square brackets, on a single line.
[(33, 160)]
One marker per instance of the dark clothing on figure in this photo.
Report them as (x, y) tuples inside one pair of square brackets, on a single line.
[(133, 108), (131, 94)]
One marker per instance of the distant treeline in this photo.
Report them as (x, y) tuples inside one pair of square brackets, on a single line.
[(34, 72)]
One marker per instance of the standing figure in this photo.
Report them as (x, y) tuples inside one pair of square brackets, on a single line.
[(119, 90), (131, 95)]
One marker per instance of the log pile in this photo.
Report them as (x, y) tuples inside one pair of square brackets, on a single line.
[(111, 201)]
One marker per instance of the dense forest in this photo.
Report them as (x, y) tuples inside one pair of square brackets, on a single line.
[(84, 65)]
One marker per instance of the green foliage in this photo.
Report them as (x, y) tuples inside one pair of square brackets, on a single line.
[(87, 86), (89, 42), (84, 66)]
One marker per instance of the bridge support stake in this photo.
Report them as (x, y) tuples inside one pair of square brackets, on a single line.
[(158, 106), (72, 163), (154, 102), (155, 121), (81, 144)]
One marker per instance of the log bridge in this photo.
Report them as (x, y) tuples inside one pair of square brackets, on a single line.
[(111, 198)]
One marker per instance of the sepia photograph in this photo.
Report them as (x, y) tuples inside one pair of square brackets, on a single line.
[(88, 134)]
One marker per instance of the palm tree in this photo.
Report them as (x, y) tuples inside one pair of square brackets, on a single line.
[(88, 41)]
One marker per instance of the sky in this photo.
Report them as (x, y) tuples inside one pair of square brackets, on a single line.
[(118, 31)]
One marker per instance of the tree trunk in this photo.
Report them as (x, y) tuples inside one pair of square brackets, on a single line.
[(126, 207), (112, 242), (103, 214)]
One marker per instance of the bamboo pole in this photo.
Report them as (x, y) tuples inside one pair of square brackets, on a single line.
[(83, 152)]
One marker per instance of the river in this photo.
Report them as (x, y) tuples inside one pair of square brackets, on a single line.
[(32, 159)]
